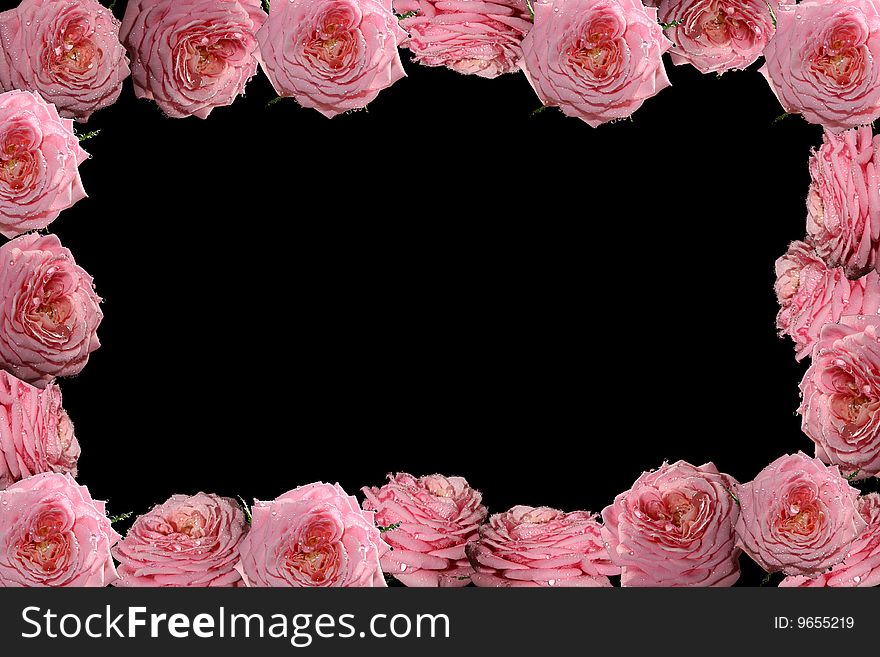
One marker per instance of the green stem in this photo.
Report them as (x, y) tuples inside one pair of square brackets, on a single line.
[(671, 24), (88, 135), (121, 517), (733, 495), (246, 509)]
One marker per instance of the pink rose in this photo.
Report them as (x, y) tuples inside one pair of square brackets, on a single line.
[(437, 517), (35, 433), (185, 541), (811, 295), (39, 163), (331, 55), (675, 527), (530, 547), (718, 35), (597, 60), (843, 205), (798, 516), (67, 50), (315, 535), (191, 56), (49, 311), (862, 565), (841, 395), (823, 61), (52, 533), (475, 37)]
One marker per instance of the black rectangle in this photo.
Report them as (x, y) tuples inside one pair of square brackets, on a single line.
[(518, 621)]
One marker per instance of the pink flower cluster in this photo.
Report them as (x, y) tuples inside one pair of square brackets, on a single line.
[(598, 60), (679, 525), (828, 289)]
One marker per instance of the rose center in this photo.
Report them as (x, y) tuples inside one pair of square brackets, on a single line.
[(334, 51), (315, 561), (211, 59), (191, 524), (18, 170), (51, 307), (677, 511), (800, 515), (47, 545), (48, 554), (839, 60), (720, 26), (75, 53), (597, 54), (439, 488)]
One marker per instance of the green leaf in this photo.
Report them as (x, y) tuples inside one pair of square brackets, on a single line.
[(531, 10), (407, 14), (111, 5), (733, 495), (88, 135), (772, 14), (246, 509), (779, 118), (766, 580), (389, 528), (121, 517), (853, 475), (266, 5), (275, 101), (671, 24), (542, 108)]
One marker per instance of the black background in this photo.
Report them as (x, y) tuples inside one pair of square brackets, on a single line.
[(445, 283)]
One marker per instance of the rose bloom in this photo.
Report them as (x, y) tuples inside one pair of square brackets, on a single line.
[(475, 37), (824, 61), (798, 516), (39, 163), (840, 394), (718, 35), (843, 205), (49, 312), (675, 527), (538, 546), (437, 517), (52, 533), (862, 566), (67, 50), (185, 541), (191, 56), (597, 60), (810, 295), (36, 434), (315, 535), (331, 55)]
